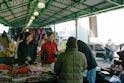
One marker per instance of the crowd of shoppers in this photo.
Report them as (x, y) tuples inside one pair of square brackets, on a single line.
[(69, 65)]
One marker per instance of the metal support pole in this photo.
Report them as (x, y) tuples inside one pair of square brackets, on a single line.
[(93, 26), (54, 28), (76, 27)]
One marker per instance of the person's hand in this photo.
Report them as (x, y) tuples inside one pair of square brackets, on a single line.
[(26, 62)]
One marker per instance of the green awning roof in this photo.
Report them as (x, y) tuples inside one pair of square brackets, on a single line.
[(17, 13)]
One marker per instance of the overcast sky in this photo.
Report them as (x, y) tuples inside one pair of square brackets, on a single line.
[(3, 28), (111, 26)]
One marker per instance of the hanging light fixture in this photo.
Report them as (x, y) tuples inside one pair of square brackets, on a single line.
[(27, 30), (41, 5), (30, 22), (36, 13), (32, 17)]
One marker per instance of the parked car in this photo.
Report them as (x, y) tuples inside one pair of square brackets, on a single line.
[(98, 50)]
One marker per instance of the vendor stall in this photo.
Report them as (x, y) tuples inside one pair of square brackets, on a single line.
[(27, 74)]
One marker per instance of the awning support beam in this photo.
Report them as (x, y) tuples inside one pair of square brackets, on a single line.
[(113, 2)]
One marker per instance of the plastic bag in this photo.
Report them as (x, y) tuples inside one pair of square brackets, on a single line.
[(115, 79)]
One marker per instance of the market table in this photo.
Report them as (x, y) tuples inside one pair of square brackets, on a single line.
[(35, 79), (36, 74), (106, 77)]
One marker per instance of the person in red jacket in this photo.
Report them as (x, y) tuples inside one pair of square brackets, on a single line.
[(49, 49)]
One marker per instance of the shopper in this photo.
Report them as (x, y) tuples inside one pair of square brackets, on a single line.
[(49, 49), (71, 64), (41, 42), (25, 49), (43, 39), (110, 48), (18, 40), (91, 62), (33, 51)]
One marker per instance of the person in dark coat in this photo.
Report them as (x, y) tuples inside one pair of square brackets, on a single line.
[(33, 51), (24, 51), (91, 62)]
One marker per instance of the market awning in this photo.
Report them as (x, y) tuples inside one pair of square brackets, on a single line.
[(18, 12)]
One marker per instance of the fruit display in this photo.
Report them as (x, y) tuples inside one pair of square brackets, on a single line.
[(7, 48), (21, 70), (11, 47), (23, 74), (5, 53), (5, 67)]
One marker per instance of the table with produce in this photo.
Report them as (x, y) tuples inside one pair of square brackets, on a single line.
[(22, 74)]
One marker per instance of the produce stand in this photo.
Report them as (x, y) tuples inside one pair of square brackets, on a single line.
[(36, 74), (41, 74)]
